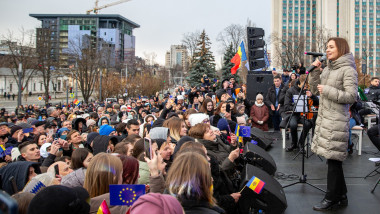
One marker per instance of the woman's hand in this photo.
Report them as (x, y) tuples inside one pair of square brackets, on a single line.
[(317, 63), (236, 196), (234, 139), (320, 88), (234, 155)]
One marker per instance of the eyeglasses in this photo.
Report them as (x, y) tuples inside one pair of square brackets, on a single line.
[(206, 121)]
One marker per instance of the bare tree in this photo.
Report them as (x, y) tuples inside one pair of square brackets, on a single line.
[(88, 61), (322, 36), (232, 34), (190, 40), (22, 50), (289, 51), (47, 61)]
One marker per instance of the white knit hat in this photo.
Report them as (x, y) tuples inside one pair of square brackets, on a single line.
[(196, 118)]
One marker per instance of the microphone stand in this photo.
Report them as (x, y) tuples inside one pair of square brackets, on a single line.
[(303, 179)]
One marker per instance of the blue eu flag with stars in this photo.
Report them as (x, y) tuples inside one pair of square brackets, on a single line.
[(245, 131), (125, 194)]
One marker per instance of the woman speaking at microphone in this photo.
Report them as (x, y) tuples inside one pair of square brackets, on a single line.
[(337, 86)]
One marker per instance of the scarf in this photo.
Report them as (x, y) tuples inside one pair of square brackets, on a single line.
[(259, 105)]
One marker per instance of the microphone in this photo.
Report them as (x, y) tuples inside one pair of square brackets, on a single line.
[(314, 53), (311, 68)]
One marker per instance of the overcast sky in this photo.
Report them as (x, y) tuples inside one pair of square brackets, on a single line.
[(162, 22)]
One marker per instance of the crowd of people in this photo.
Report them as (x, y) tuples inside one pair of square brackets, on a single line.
[(181, 145)]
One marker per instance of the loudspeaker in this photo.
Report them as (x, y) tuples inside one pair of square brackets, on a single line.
[(262, 138), (271, 199), (258, 157), (258, 83)]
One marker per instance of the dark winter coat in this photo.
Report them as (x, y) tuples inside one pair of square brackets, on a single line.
[(20, 171), (373, 93), (200, 207), (340, 81), (270, 98), (220, 151)]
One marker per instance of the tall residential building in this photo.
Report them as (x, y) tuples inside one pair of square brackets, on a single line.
[(177, 56), (66, 31), (358, 21)]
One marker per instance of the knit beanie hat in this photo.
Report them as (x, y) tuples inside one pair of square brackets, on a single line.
[(223, 125), (91, 137), (106, 129), (157, 203), (259, 96), (240, 120), (159, 133), (196, 118), (90, 122), (39, 182)]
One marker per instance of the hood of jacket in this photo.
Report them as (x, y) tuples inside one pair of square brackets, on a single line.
[(100, 121), (101, 143), (20, 171), (345, 60), (159, 133)]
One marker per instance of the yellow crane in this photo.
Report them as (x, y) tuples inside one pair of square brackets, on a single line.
[(97, 8)]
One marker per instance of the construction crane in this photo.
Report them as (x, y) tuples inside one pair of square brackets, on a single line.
[(97, 8)]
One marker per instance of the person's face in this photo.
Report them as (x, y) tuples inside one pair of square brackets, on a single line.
[(242, 110), (67, 124), (223, 108), (209, 135), (277, 82), (104, 121), (143, 114), (76, 138), (183, 130), (226, 84), (332, 50), (259, 100), (80, 125), (15, 135), (121, 102), (166, 152), (32, 153), (232, 80), (196, 100), (375, 82), (42, 140), (133, 130), (129, 149), (149, 119), (138, 103), (86, 161), (293, 76), (180, 102), (64, 168), (40, 130), (4, 130), (31, 173), (224, 97), (210, 106)]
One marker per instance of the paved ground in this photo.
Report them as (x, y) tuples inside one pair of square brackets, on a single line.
[(10, 104), (302, 197)]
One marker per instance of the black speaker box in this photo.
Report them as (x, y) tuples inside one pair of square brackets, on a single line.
[(262, 138), (258, 157), (271, 199), (258, 83)]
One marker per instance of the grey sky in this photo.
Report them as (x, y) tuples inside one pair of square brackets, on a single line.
[(163, 22)]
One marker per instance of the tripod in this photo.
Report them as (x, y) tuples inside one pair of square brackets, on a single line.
[(303, 177)]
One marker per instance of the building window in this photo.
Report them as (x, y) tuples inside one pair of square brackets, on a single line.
[(41, 86), (10, 87), (34, 86)]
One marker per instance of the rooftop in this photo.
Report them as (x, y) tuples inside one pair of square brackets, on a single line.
[(101, 16)]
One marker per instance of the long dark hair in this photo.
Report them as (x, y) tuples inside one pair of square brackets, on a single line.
[(204, 107), (77, 158)]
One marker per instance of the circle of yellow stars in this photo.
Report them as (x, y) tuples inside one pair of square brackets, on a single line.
[(126, 201)]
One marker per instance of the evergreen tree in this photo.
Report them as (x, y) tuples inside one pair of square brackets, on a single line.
[(203, 62), (227, 64)]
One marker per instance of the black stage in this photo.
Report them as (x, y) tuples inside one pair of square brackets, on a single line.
[(301, 197)]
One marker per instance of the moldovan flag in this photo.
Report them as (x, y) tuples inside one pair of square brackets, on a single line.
[(255, 184), (103, 209), (76, 102), (239, 58)]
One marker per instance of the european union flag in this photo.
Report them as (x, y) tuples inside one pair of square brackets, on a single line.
[(245, 131), (7, 151), (125, 194)]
